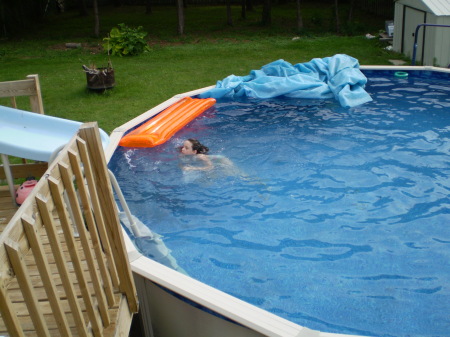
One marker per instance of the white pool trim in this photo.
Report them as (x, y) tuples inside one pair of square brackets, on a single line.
[(256, 319), (406, 68)]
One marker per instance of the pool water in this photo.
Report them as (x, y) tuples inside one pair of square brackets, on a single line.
[(336, 219)]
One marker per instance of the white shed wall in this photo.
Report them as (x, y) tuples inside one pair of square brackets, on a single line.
[(430, 41), (398, 27), (442, 42), (433, 43)]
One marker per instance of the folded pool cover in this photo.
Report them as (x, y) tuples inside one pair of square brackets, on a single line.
[(337, 76)]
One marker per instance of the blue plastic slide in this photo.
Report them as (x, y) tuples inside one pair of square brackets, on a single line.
[(337, 76), (34, 136)]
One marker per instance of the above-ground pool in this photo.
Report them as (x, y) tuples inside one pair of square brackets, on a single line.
[(336, 219)]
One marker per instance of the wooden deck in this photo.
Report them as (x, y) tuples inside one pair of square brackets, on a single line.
[(63, 266), (7, 208)]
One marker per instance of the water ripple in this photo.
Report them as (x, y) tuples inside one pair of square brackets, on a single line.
[(303, 247)]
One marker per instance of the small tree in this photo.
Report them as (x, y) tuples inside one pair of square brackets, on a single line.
[(229, 15), (243, 11), (350, 11), (266, 13), (180, 13), (336, 13), (249, 5), (299, 17), (82, 8), (96, 19)]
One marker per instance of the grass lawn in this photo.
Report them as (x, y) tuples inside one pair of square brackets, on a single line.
[(209, 51)]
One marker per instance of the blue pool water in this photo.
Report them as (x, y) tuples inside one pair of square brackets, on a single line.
[(336, 219)]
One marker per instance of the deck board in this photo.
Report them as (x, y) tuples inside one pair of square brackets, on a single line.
[(7, 210)]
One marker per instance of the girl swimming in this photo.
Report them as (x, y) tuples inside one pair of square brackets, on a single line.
[(192, 147)]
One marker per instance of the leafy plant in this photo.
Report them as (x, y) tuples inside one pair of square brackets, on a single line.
[(125, 41)]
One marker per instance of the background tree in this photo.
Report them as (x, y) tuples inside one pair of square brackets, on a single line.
[(336, 13), (249, 5), (96, 18), (82, 8), (299, 17), (229, 15), (60, 5), (350, 11), (246, 5), (180, 13), (243, 10), (266, 13)]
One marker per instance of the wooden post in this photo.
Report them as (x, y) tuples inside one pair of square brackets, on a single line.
[(93, 231), (8, 315), (56, 189), (46, 274), (26, 286), (85, 242), (36, 100), (90, 134), (61, 263), (98, 211)]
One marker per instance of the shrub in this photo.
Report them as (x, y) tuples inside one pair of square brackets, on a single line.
[(126, 41)]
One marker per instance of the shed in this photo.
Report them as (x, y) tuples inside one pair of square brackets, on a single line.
[(433, 42)]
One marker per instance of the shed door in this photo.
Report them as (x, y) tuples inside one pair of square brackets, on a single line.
[(413, 17)]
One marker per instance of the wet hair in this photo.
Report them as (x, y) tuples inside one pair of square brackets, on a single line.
[(197, 146)]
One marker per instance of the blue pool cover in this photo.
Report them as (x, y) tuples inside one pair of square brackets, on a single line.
[(337, 76)]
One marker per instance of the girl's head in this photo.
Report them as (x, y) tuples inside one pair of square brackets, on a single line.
[(193, 146)]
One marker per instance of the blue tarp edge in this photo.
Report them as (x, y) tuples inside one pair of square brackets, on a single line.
[(337, 76)]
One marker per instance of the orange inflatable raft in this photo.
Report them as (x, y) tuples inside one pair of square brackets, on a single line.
[(162, 127)]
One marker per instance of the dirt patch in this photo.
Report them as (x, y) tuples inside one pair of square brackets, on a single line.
[(91, 47), (94, 48), (162, 43)]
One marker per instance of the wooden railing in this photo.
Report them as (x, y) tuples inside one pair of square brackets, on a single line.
[(30, 90), (29, 87), (63, 265)]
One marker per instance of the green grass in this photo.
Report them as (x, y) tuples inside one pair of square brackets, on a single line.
[(209, 51)]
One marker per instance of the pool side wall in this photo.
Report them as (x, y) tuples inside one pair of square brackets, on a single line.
[(165, 315)]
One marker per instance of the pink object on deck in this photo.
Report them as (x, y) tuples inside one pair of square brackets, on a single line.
[(24, 190)]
